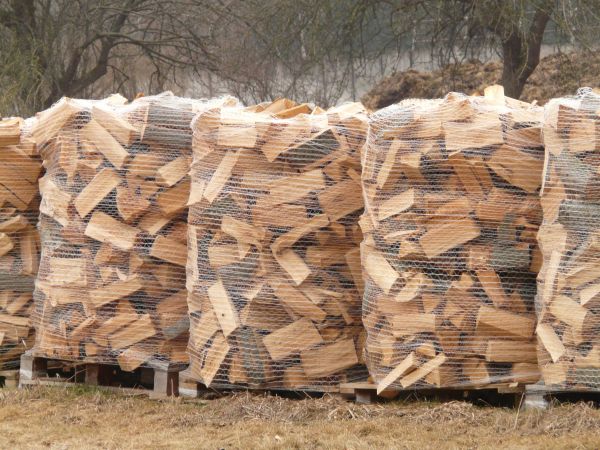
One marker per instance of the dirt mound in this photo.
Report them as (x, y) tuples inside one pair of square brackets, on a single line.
[(558, 74)]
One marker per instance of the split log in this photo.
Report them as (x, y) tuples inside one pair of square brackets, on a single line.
[(569, 281), (111, 287), (451, 215), (274, 287), (20, 169)]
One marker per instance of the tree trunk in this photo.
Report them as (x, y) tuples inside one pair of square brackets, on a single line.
[(521, 53), (514, 75)]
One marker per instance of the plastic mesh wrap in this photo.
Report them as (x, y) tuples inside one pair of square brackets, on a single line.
[(274, 267), (111, 285), (20, 169), (449, 253), (569, 281)]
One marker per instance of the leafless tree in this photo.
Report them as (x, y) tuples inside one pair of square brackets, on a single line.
[(309, 50), (512, 29), (67, 46)]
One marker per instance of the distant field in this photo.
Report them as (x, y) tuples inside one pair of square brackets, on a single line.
[(88, 418)]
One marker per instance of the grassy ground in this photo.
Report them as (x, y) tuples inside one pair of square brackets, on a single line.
[(88, 418)]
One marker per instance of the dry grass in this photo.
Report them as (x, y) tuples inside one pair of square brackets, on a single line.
[(88, 418)]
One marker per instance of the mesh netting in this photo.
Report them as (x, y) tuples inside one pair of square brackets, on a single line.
[(449, 254), (273, 266), (568, 283), (20, 169), (111, 284)]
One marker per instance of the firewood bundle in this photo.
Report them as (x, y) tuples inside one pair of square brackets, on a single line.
[(449, 254), (20, 169), (111, 285), (273, 266), (568, 329)]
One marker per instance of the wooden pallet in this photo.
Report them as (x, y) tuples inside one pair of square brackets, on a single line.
[(157, 382), (310, 392), (539, 395), (188, 387), (366, 392), (9, 378)]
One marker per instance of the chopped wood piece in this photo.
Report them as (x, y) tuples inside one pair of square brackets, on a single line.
[(376, 265), (492, 286), (214, 358), (169, 250), (550, 340), (293, 338), (100, 186), (516, 167), (485, 131), (442, 238), (19, 322), (104, 228), (223, 308), (145, 165), (6, 244), (232, 133), (136, 331), (171, 173), (294, 265), (242, 232), (49, 122), (509, 323), (96, 135), (569, 312), (298, 303), (422, 371), (409, 324), (119, 128), (511, 351), (291, 189), (220, 176), (130, 204), (10, 131), (133, 357), (119, 289), (341, 200), (174, 200), (396, 204), (408, 364), (329, 359)]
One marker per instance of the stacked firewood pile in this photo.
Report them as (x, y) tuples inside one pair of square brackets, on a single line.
[(20, 169), (568, 285), (449, 255), (274, 267), (111, 285)]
